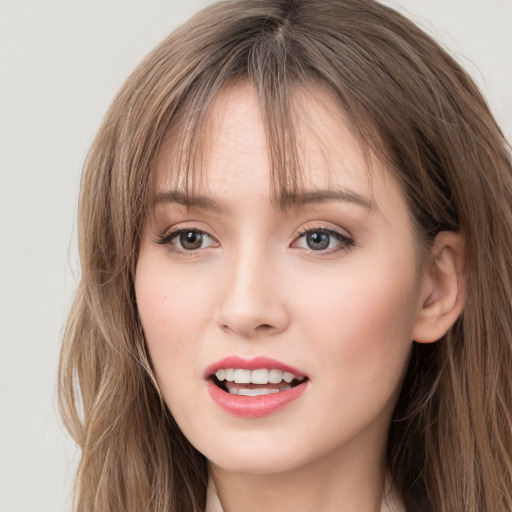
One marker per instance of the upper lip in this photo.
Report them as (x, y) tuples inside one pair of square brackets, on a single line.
[(253, 363)]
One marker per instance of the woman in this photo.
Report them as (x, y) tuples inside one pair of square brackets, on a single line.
[(296, 283)]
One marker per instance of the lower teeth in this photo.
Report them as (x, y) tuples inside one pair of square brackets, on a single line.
[(257, 392)]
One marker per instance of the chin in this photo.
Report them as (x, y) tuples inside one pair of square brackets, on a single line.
[(255, 464), (256, 457)]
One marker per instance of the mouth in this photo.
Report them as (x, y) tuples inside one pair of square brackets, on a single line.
[(254, 387), (258, 382)]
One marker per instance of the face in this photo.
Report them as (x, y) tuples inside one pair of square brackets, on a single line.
[(326, 295)]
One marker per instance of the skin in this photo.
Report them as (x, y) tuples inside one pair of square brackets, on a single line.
[(345, 316)]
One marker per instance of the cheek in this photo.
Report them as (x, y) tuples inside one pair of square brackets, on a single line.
[(169, 302), (172, 316), (362, 326), (168, 322)]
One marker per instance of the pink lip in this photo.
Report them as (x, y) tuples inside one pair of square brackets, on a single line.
[(252, 406), (254, 363)]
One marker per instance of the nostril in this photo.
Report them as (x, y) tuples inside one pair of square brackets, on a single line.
[(262, 328), (249, 321)]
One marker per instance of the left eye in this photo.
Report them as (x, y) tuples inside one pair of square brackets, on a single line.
[(321, 239), (188, 240)]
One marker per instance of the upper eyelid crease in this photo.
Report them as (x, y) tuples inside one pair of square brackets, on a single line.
[(345, 242), (165, 240), (169, 235), (331, 232)]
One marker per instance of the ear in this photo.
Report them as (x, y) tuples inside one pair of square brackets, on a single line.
[(443, 288)]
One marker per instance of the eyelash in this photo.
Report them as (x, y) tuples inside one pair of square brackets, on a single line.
[(168, 238), (345, 242)]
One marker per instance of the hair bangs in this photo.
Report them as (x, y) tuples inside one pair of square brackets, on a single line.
[(184, 150)]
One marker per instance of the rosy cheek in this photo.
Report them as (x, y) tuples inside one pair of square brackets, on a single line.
[(354, 317), (153, 304), (170, 316)]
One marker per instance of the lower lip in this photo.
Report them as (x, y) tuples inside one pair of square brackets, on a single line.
[(254, 406)]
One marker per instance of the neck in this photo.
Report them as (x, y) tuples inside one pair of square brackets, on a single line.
[(337, 483)]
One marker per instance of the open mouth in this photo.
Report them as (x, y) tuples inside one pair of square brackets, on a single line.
[(262, 381)]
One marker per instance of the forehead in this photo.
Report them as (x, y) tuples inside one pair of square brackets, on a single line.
[(234, 144)]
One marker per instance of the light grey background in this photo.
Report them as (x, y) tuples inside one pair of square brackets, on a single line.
[(61, 62)]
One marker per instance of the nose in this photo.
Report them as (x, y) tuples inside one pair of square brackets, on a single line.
[(253, 302)]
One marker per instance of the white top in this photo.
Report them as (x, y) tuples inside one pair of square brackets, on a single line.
[(212, 500), (390, 503)]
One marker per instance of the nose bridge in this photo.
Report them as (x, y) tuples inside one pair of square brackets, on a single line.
[(252, 302)]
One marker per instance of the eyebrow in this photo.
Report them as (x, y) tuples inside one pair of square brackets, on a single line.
[(286, 199), (327, 196), (188, 200)]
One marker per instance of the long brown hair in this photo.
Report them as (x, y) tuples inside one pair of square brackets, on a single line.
[(412, 105)]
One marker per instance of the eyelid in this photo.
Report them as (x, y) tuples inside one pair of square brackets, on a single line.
[(346, 240), (171, 233)]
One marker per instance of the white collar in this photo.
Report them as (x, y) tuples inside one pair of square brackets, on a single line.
[(212, 500)]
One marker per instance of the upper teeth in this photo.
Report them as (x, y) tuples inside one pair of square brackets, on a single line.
[(261, 376)]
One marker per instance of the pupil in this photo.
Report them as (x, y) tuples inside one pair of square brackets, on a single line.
[(317, 240), (191, 240)]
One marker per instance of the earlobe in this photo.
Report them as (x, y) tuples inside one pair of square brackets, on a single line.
[(444, 288)]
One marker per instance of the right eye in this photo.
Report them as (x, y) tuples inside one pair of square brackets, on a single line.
[(323, 241), (187, 240)]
